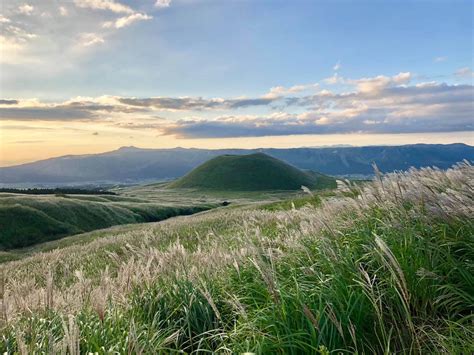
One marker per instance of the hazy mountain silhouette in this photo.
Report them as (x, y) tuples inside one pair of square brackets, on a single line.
[(130, 164)]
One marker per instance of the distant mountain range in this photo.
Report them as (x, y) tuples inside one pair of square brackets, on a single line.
[(131, 165)]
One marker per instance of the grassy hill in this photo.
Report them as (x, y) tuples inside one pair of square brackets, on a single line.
[(253, 172), (388, 271), (27, 220)]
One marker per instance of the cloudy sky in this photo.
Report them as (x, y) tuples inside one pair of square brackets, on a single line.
[(86, 76)]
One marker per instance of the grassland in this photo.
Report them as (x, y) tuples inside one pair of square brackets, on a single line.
[(42, 215), (31, 223), (379, 268), (27, 220)]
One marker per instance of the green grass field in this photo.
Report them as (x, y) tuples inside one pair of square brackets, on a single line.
[(385, 267), (26, 220)]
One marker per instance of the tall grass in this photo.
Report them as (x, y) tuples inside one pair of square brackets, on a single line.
[(389, 270)]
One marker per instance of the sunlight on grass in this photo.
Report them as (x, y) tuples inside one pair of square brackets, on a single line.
[(383, 267)]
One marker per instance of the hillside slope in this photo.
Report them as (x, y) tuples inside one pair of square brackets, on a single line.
[(27, 220), (387, 272), (253, 172)]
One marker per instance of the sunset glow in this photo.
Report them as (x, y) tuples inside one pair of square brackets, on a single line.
[(89, 76)]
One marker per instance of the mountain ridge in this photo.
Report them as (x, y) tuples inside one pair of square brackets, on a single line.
[(132, 164)]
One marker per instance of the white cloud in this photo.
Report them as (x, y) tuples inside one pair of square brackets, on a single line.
[(14, 42), (401, 78), (333, 80), (110, 5), (25, 9), (465, 72), (426, 84), (162, 3), (126, 20), (431, 107), (337, 66), (90, 39), (378, 83), (440, 59), (12, 49), (59, 34), (397, 109), (18, 33), (299, 88), (63, 11), (3, 19), (278, 91)]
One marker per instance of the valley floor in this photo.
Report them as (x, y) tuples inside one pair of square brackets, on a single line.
[(380, 268)]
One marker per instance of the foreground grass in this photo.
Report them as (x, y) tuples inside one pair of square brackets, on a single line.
[(390, 270)]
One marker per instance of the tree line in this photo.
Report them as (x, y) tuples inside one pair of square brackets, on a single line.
[(55, 191)]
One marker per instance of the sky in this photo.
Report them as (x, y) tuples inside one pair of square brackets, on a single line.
[(87, 76)]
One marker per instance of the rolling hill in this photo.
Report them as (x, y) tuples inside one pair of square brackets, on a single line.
[(386, 270), (253, 172), (27, 220), (132, 165)]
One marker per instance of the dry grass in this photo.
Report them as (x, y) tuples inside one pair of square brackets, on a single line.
[(225, 253)]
